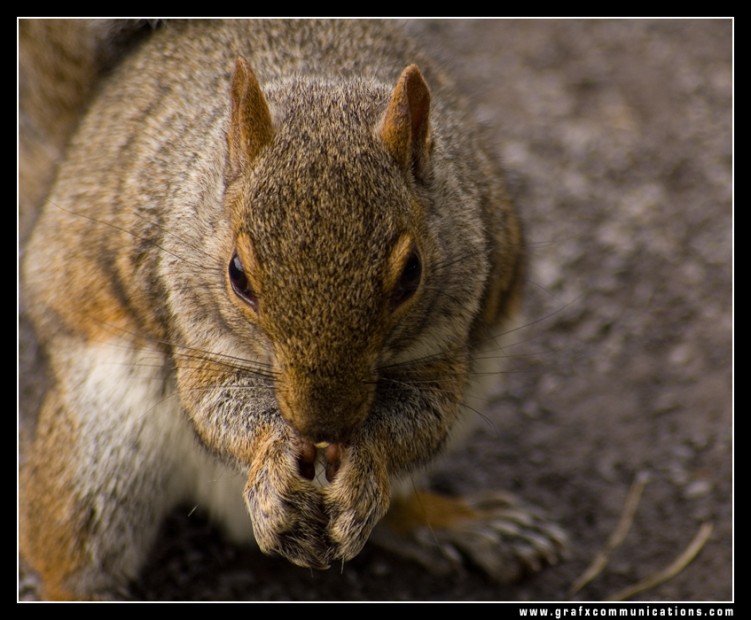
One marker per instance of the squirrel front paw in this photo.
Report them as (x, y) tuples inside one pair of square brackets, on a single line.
[(356, 499), (494, 532), (309, 524), (287, 511)]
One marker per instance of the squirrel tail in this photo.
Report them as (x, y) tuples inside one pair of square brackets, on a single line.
[(60, 64)]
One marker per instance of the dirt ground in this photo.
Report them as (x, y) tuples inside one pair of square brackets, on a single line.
[(617, 138)]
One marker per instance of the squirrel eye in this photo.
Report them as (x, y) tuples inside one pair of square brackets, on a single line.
[(409, 280), (240, 283)]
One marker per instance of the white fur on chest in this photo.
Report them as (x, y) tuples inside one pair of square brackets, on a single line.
[(128, 402)]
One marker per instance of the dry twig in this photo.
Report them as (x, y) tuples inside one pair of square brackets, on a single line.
[(671, 571), (617, 537)]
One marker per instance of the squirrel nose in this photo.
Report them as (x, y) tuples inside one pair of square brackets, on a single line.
[(319, 434), (328, 414)]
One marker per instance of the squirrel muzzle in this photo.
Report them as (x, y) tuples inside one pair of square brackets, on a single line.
[(325, 410)]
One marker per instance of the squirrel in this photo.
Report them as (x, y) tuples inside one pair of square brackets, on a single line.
[(264, 276)]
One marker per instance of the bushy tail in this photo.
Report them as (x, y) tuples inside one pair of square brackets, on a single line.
[(61, 61)]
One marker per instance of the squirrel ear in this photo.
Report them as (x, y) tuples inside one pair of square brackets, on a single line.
[(405, 129), (250, 126)]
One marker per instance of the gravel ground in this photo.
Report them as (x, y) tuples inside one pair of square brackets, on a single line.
[(617, 137)]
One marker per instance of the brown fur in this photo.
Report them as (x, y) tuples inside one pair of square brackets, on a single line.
[(57, 541), (427, 509)]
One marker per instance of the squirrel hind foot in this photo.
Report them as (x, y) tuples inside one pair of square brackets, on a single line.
[(493, 532)]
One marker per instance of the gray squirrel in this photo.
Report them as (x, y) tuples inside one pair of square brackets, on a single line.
[(265, 274)]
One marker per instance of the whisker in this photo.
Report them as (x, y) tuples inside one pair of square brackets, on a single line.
[(185, 352), (487, 420), (129, 232)]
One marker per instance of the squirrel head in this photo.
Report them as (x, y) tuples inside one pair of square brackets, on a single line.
[(331, 246)]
